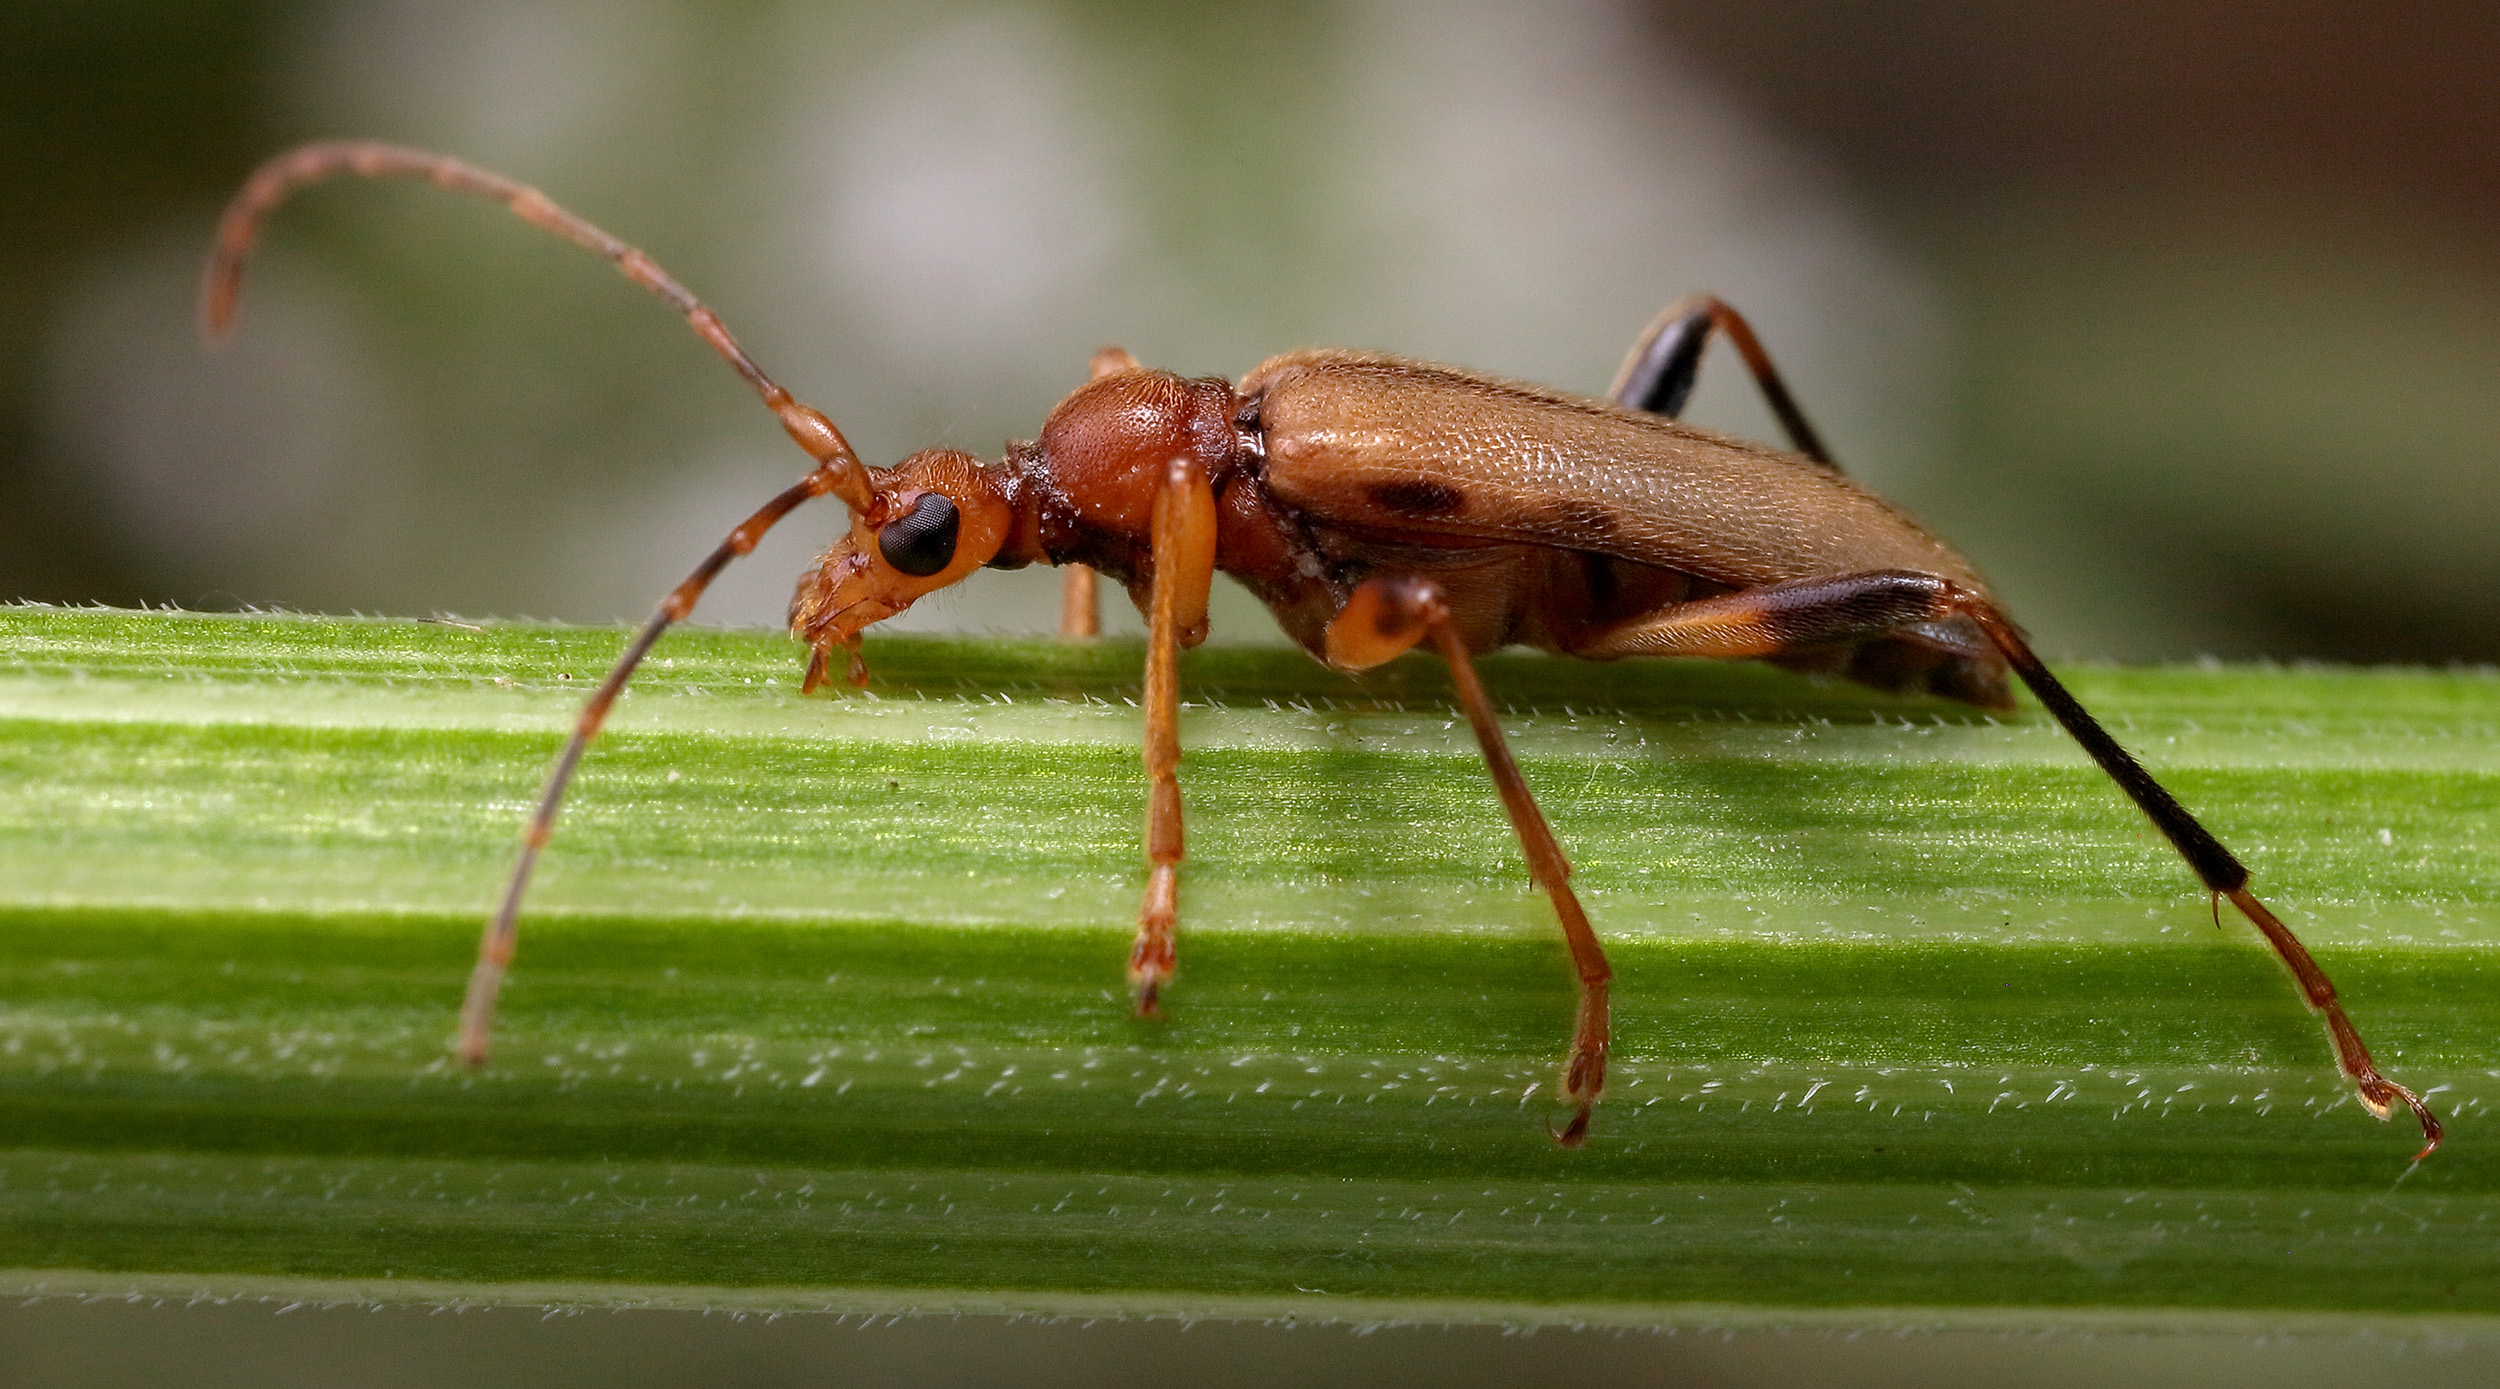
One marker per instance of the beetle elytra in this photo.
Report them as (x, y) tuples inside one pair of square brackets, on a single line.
[(1375, 504)]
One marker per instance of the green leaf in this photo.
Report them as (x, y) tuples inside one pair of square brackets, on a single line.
[(819, 1001)]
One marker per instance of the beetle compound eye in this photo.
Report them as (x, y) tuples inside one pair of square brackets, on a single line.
[(921, 541)]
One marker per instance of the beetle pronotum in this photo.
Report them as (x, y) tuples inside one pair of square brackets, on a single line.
[(1375, 504)]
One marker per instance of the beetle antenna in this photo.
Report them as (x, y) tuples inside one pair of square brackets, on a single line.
[(494, 949), (2222, 873), (273, 182)]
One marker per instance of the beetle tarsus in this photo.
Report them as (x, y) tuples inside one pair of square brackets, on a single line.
[(1152, 960), (2379, 1095), (1576, 1133), (2221, 872)]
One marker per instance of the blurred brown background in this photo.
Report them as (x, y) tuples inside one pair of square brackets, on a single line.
[(2182, 319)]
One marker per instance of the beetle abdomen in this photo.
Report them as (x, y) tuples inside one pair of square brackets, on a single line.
[(1395, 445)]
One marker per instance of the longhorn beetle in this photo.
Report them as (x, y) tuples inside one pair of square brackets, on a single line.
[(1375, 504)]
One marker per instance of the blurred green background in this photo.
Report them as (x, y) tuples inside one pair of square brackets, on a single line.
[(2182, 319)]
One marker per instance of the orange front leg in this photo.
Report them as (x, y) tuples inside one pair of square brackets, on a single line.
[(1184, 572), (1386, 617)]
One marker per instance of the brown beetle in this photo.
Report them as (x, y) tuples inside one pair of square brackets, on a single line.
[(1375, 504)]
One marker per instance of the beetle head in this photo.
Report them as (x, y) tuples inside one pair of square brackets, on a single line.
[(931, 520)]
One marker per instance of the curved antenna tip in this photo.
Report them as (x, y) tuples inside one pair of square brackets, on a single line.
[(217, 300)]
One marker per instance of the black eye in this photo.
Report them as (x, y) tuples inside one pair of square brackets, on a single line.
[(921, 541)]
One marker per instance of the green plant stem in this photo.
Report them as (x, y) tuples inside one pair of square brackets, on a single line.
[(820, 999)]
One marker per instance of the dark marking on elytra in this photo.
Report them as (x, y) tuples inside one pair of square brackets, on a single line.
[(1417, 497)]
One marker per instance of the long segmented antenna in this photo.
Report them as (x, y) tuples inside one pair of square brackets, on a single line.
[(2222, 872), (494, 950), (838, 471), (273, 182)]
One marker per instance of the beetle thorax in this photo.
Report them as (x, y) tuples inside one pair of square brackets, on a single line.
[(1108, 445)]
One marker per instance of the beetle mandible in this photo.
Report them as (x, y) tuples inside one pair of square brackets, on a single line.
[(1375, 504)]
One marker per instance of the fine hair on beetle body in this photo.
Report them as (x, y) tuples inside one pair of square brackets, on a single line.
[(1375, 504)]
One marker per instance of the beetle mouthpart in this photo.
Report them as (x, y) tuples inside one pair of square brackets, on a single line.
[(820, 660), (835, 601)]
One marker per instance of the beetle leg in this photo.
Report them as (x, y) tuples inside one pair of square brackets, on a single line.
[(1386, 616), (1184, 571), (1814, 612), (1080, 603), (2221, 871), (1777, 618), (1658, 373)]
